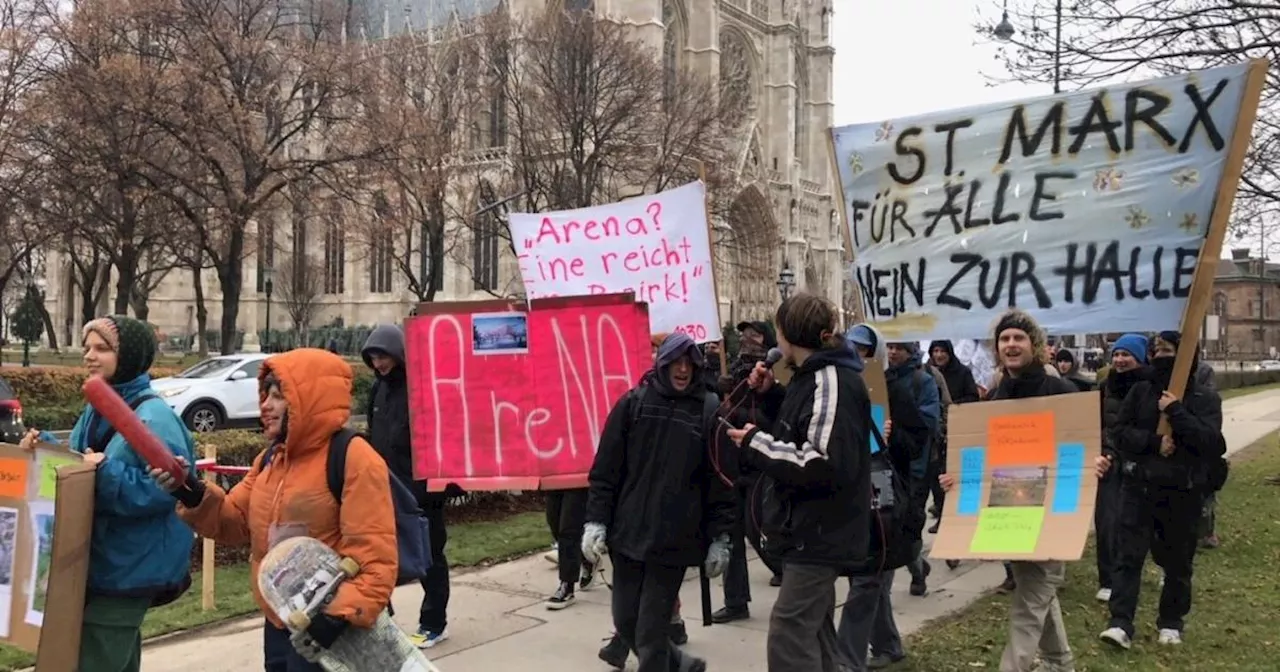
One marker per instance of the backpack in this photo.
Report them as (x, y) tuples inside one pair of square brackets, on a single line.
[(413, 539), (895, 525)]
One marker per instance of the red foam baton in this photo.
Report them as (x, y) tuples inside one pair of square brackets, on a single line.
[(151, 449)]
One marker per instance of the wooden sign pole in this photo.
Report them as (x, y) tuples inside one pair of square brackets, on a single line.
[(1207, 262), (838, 194), (715, 283)]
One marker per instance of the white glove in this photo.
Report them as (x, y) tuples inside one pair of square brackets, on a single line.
[(717, 556), (594, 536)]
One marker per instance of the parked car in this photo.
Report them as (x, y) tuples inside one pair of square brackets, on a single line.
[(218, 393), (11, 427), (1269, 365)]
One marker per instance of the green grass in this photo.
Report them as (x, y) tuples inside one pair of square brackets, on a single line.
[(1232, 625), (470, 545), (1253, 389)]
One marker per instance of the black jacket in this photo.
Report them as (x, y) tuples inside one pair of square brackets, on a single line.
[(1114, 390), (653, 484), (816, 500), (1196, 422), (1034, 383), (387, 412), (960, 383), (741, 406)]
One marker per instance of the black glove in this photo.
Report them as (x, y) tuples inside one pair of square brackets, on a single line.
[(319, 636), (191, 493), (326, 629)]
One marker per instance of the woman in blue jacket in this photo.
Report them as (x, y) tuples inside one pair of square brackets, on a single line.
[(140, 553)]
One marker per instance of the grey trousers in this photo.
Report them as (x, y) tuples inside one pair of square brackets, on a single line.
[(1035, 619), (867, 619), (802, 632)]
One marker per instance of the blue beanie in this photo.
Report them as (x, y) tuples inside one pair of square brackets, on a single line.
[(1134, 344)]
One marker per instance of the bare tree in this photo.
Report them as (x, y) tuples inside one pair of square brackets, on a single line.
[(594, 116), (300, 284), (262, 98), (1106, 39), (24, 50), (425, 90), (92, 151)]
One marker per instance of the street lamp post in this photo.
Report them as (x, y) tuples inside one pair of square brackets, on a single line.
[(1004, 31), (268, 284), (786, 280)]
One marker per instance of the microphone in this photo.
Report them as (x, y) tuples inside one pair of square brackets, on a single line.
[(774, 356)]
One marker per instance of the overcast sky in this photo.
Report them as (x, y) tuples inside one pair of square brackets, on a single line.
[(936, 64)]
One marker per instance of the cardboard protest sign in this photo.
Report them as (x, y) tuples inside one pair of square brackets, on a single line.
[(1025, 479), (1088, 210), (656, 247), (504, 396), (46, 521)]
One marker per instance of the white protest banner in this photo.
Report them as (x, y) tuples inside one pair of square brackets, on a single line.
[(655, 246), (1088, 210)]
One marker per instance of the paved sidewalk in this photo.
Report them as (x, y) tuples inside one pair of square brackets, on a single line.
[(500, 623)]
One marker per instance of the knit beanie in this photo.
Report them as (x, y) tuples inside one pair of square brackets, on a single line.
[(1019, 319), (133, 341), (1134, 344)]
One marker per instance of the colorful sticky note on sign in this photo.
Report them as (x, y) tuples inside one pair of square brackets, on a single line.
[(49, 473), (877, 426), (13, 478), (1007, 529), (1021, 439), (972, 464)]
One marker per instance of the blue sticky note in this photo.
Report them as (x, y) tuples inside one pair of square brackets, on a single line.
[(877, 421), (972, 463), (1066, 485)]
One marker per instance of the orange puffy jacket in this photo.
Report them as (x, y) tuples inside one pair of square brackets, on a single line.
[(317, 385)]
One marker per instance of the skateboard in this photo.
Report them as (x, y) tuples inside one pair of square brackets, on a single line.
[(300, 576)]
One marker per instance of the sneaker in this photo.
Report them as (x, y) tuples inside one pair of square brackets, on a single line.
[(678, 633), (562, 598), (614, 653), (953, 564), (425, 639), (1009, 584), (881, 660), (1117, 637), (775, 580), (730, 614), (1169, 637), (692, 664), (588, 578), (1103, 595), (1210, 542), (933, 529)]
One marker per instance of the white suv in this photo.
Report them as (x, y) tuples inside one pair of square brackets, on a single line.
[(218, 393)]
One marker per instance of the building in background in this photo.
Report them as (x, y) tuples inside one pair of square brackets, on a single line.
[(777, 54), (1246, 304)]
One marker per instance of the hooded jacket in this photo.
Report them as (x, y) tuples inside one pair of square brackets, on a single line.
[(1073, 373), (960, 383), (139, 546), (293, 488), (653, 484), (388, 409), (816, 501)]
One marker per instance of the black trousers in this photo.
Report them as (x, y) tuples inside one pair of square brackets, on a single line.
[(566, 514), (1106, 516), (737, 582), (1163, 523), (279, 654), (644, 597), (937, 467), (433, 615)]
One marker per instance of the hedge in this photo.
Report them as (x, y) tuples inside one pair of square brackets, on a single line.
[(51, 398), (241, 448)]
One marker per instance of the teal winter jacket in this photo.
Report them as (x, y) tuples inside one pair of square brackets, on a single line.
[(140, 547)]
